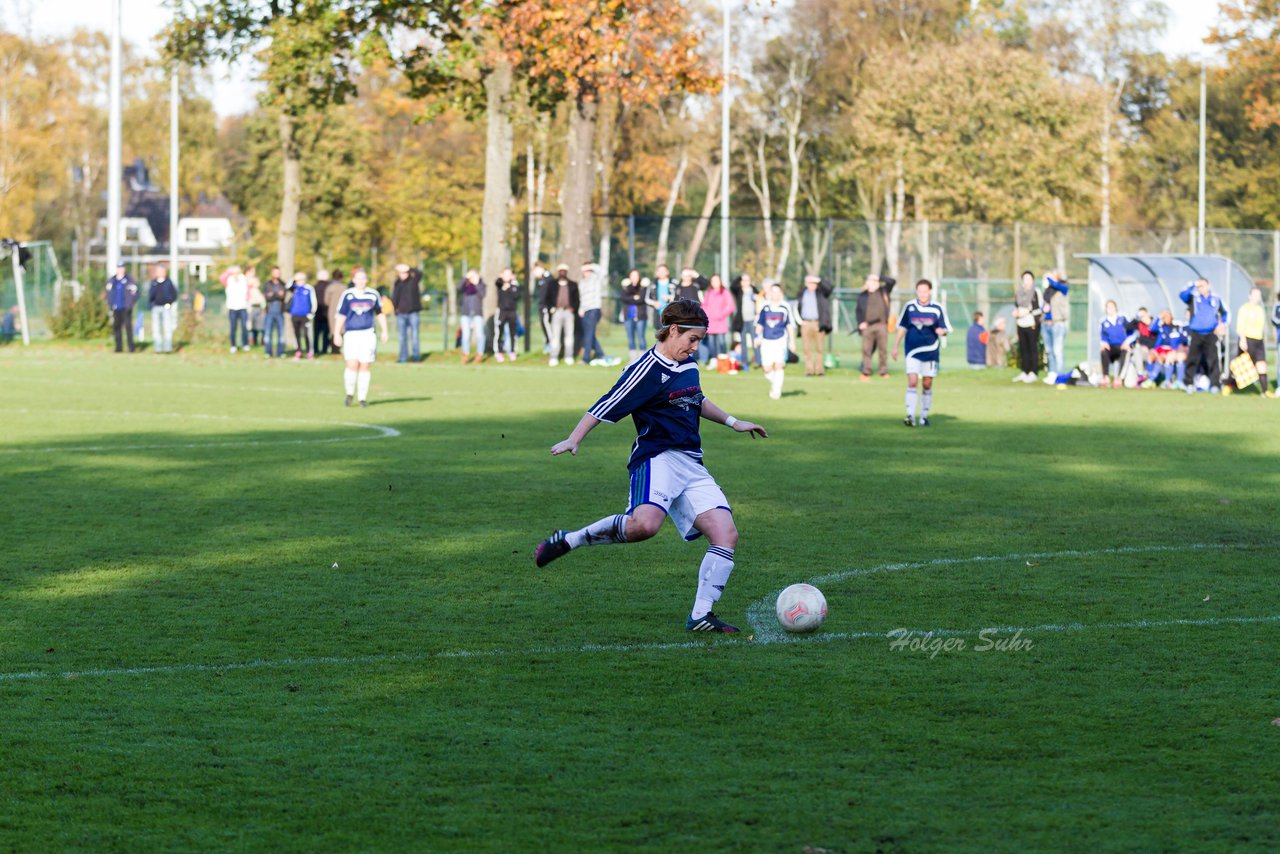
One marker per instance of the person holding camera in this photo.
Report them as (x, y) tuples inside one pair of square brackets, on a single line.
[(873, 322)]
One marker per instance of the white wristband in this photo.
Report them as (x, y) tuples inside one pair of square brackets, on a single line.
[(729, 421)]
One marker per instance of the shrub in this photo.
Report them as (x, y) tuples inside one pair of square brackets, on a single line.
[(83, 318)]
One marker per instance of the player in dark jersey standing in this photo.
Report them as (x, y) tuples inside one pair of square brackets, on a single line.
[(661, 393), (922, 323), (354, 333)]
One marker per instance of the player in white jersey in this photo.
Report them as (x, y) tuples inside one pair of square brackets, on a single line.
[(923, 323), (354, 334)]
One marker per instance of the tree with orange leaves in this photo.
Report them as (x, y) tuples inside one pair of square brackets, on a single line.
[(638, 50), (1250, 30)]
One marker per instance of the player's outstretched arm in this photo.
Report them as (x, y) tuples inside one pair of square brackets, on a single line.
[(897, 342), (585, 426), (711, 412)]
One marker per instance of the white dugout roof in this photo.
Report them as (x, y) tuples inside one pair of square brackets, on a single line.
[(1154, 282)]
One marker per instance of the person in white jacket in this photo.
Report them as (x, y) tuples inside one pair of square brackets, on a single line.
[(237, 286)]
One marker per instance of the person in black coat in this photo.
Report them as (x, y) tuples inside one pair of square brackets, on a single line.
[(872, 316), (406, 299), (122, 296), (507, 331)]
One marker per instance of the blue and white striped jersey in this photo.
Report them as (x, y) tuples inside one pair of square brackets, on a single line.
[(664, 401), (922, 323), (775, 319), (359, 307)]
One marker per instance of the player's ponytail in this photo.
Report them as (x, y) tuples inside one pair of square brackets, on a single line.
[(682, 312)]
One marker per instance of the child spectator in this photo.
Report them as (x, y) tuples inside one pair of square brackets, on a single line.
[(998, 344), (1114, 336), (1143, 341), (1170, 351), (976, 342), (257, 309)]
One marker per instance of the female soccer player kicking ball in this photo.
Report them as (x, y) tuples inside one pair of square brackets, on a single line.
[(922, 324), (354, 334), (660, 392)]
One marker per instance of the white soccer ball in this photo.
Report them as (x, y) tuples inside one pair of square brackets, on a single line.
[(1202, 383), (801, 608)]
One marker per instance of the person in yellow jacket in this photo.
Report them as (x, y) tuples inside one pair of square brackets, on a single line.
[(1251, 323)]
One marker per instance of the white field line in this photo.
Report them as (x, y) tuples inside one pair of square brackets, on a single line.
[(380, 431), (764, 624), (760, 637)]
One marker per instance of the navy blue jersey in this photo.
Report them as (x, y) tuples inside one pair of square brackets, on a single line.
[(664, 400), (774, 319), (922, 323), (359, 308)]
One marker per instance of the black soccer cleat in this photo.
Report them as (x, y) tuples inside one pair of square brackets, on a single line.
[(347, 402), (708, 623), (551, 548), (923, 422), (907, 422), (364, 404)]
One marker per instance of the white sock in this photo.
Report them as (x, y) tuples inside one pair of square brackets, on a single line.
[(349, 380), (713, 575), (778, 377), (362, 385), (768, 375), (610, 529), (926, 401), (911, 402)]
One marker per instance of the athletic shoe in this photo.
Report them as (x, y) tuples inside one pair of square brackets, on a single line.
[(347, 402), (709, 622), (569, 361), (554, 362), (923, 422), (864, 378), (551, 548), (908, 422), (233, 349), (500, 357), (1215, 390), (364, 404)]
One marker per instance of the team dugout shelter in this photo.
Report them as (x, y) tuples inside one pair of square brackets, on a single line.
[(1154, 282)]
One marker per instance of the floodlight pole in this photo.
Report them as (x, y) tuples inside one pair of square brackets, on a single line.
[(726, 99), (113, 145), (173, 173), (1200, 219)]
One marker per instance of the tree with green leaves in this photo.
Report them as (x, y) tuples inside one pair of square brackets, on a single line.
[(310, 53)]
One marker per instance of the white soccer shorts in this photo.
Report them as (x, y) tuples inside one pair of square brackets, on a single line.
[(922, 368), (773, 351), (681, 486), (360, 346)]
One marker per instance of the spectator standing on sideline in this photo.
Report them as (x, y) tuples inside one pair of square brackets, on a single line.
[(237, 289), (872, 315), (997, 344), (471, 311), (353, 332), (976, 343), (9, 325), (257, 308), (635, 313), (744, 318), (1057, 320), (560, 301), (590, 308), (122, 295), (663, 288), (323, 328), (1026, 317), (274, 292), (1251, 323), (814, 304), (332, 296), (302, 308), (690, 287), (506, 332), (162, 296), (1207, 324), (718, 303), (543, 283), (406, 299)]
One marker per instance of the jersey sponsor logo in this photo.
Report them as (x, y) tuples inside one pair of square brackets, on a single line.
[(686, 398)]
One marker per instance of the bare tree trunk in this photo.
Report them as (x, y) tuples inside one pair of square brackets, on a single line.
[(607, 132), (579, 186), (499, 142), (291, 199), (867, 200), (673, 195), (1059, 245), (708, 207), (765, 198), (537, 189), (797, 79), (1104, 230)]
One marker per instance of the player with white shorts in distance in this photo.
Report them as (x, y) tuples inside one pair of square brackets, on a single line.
[(354, 333), (923, 323), (661, 393), (775, 336)]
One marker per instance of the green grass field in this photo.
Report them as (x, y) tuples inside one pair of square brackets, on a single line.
[(235, 615)]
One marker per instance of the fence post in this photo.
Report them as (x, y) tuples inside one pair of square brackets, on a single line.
[(528, 277), (631, 244)]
